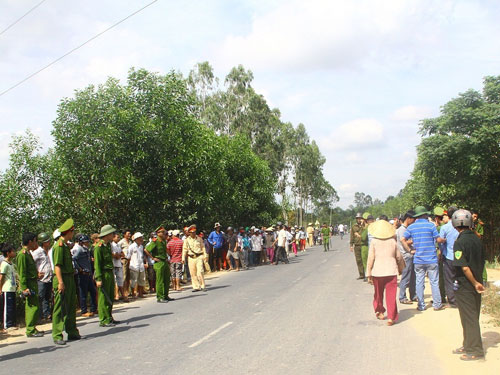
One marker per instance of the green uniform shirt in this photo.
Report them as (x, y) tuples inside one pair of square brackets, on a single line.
[(364, 237), (103, 259), (26, 268), (61, 255), (356, 239), (325, 232), (479, 228), (469, 252), (158, 249)]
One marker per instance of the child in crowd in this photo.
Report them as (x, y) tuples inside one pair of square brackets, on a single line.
[(8, 287)]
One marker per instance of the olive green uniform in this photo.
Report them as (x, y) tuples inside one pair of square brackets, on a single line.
[(28, 276), (355, 241), (158, 249), (469, 252), (103, 266), (364, 246), (64, 314), (326, 238)]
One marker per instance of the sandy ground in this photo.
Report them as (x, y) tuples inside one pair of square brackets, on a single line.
[(445, 330)]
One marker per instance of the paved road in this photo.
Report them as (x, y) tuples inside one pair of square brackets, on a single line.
[(308, 317)]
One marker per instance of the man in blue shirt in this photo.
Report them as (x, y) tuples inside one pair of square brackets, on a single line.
[(216, 239), (447, 236), (424, 234)]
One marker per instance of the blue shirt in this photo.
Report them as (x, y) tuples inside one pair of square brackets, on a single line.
[(449, 233), (216, 239), (424, 234)]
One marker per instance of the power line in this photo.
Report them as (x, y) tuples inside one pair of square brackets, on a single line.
[(76, 48), (20, 18)]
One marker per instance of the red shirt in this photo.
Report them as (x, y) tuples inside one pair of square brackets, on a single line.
[(174, 248)]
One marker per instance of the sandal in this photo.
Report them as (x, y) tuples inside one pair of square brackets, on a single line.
[(390, 322), (406, 301), (380, 316), (471, 357), (459, 350)]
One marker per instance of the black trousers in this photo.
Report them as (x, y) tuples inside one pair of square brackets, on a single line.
[(45, 298), (8, 309), (280, 255), (469, 307), (449, 277), (86, 285)]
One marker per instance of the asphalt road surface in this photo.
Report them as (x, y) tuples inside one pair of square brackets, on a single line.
[(308, 317)]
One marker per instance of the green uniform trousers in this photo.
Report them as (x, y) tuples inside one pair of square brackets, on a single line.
[(359, 260), (162, 270), (31, 308), (104, 307), (64, 314), (364, 256), (326, 244)]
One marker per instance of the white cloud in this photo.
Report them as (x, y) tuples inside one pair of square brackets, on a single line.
[(355, 135), (325, 34), (411, 113)]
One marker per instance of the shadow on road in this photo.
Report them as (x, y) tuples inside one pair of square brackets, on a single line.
[(114, 330), (28, 352), (217, 287), (407, 314), (142, 317), (199, 294), (490, 340), (13, 343)]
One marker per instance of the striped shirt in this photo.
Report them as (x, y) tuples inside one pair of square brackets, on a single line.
[(424, 234)]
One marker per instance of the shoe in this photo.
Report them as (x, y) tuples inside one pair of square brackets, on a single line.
[(88, 314), (115, 321), (406, 301), (365, 280), (203, 289), (36, 334), (195, 290), (421, 309), (442, 307), (162, 301), (108, 325), (360, 278), (75, 338), (170, 299), (59, 342)]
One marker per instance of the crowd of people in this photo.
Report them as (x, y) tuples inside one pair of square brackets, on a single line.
[(68, 272), (444, 245)]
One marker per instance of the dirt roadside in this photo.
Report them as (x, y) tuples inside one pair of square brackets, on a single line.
[(443, 328)]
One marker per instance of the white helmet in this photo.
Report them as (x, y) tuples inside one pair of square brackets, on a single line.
[(461, 218)]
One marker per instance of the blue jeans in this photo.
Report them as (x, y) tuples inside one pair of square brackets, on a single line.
[(433, 273), (87, 286), (45, 298)]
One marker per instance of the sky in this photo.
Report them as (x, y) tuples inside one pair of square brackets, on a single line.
[(359, 75)]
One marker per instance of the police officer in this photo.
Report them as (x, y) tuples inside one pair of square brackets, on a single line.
[(157, 250), (355, 242), (64, 314), (365, 237), (105, 279), (28, 280), (469, 265)]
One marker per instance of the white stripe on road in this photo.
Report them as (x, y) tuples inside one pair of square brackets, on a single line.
[(203, 339)]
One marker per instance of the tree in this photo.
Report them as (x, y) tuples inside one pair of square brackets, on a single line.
[(459, 157)]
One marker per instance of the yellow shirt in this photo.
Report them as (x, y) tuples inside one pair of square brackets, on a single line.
[(193, 246)]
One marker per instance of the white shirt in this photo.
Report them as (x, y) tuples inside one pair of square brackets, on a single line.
[(282, 238), (256, 242), (136, 256), (124, 245), (341, 227), (302, 235), (43, 264), (116, 249)]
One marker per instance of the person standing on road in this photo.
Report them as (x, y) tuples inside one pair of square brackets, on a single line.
[(157, 250), (355, 244), (232, 251), (124, 243), (135, 255), (340, 228), (28, 276), (216, 239), (384, 264), (81, 260), (325, 237), (194, 249), (469, 259), (424, 235), (8, 287), (408, 274), (118, 271), (447, 237), (281, 242), (44, 268), (64, 314), (174, 249), (104, 276), (310, 234)]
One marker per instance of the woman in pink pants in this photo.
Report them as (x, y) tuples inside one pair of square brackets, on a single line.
[(384, 264)]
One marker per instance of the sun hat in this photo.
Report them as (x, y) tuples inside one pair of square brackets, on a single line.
[(175, 232), (136, 236), (217, 225), (107, 229), (382, 230), (270, 229), (56, 234), (421, 210), (359, 216)]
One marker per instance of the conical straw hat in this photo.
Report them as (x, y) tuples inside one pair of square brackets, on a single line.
[(381, 229)]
